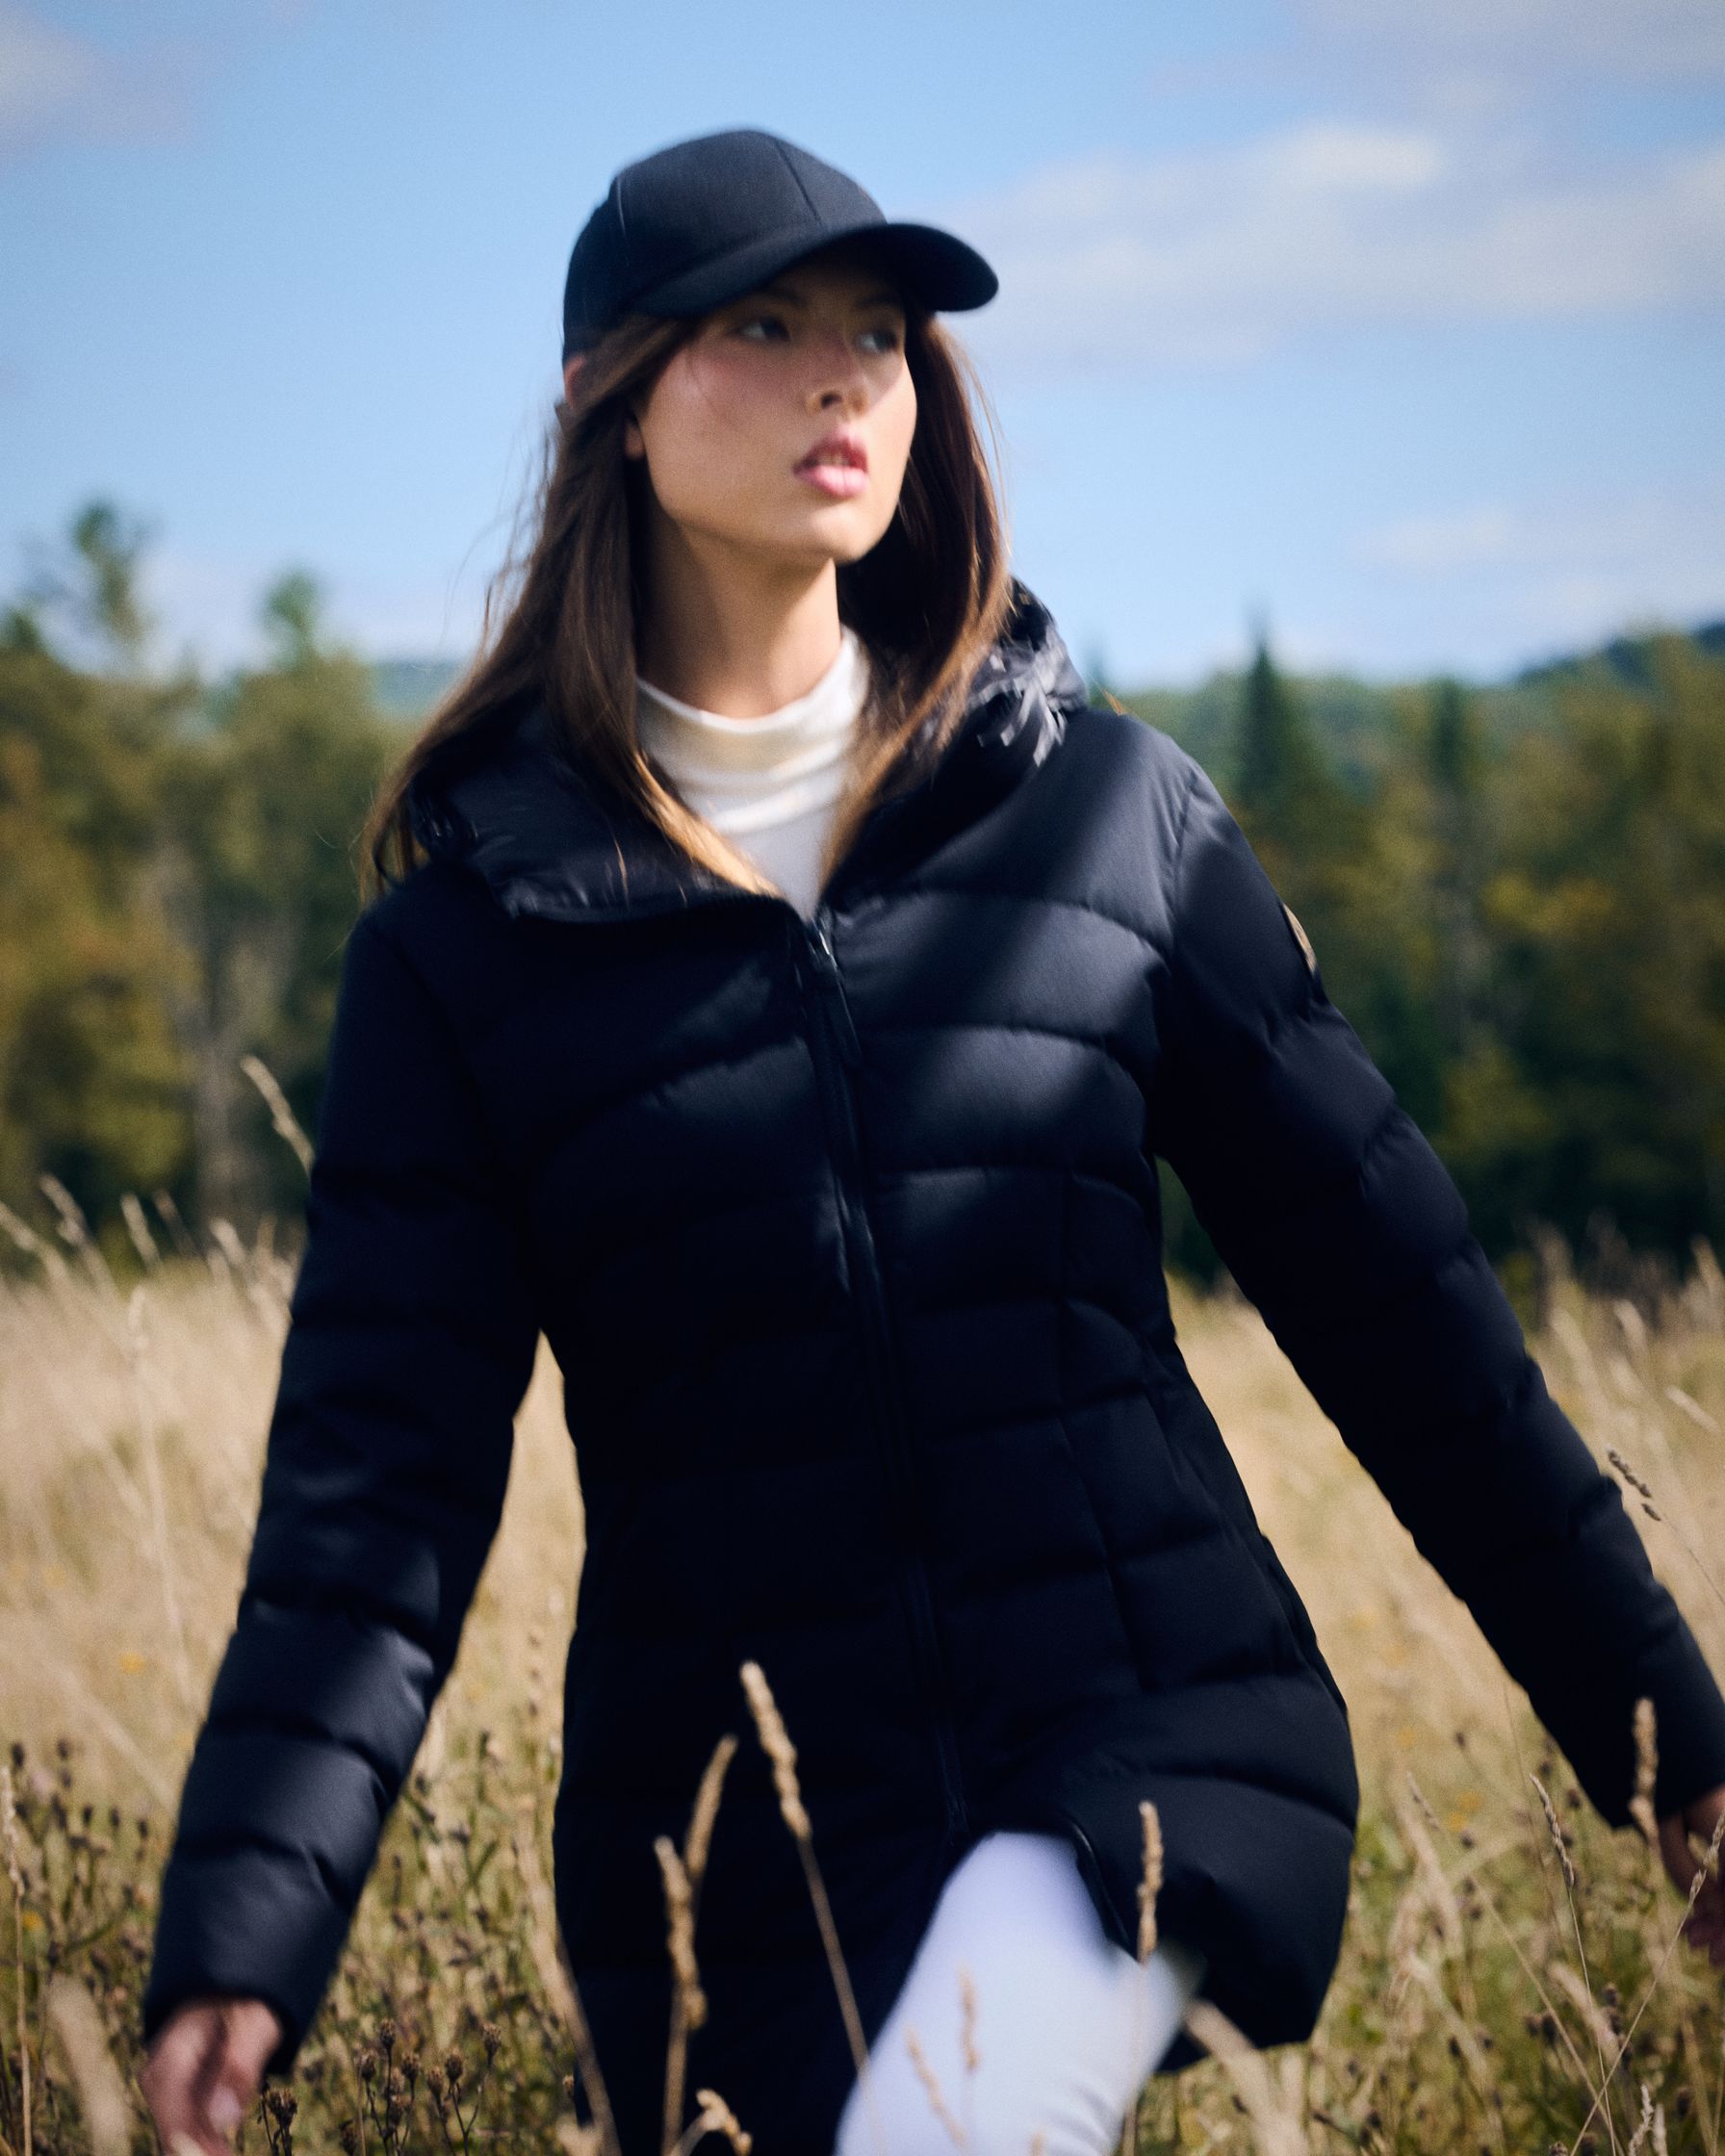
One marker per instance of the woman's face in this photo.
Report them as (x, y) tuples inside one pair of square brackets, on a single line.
[(732, 428)]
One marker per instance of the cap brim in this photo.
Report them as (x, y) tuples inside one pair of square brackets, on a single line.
[(935, 267)]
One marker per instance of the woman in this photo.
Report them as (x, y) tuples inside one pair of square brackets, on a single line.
[(785, 984)]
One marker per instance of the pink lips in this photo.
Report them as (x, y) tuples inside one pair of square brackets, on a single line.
[(838, 465)]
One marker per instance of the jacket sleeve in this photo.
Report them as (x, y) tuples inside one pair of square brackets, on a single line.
[(411, 1343), (1340, 1223)]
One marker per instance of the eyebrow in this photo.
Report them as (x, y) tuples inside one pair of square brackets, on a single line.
[(782, 291)]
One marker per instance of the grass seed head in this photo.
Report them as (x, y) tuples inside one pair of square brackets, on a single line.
[(1150, 1886), (778, 1747)]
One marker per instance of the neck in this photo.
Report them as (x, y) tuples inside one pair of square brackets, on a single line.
[(733, 634)]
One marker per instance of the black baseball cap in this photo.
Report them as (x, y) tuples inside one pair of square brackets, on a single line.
[(706, 220)]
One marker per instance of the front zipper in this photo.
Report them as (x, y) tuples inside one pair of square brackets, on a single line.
[(835, 1046), (837, 1050)]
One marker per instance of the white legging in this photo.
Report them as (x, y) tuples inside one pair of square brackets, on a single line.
[(1068, 2025)]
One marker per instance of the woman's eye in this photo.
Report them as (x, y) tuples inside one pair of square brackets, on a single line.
[(763, 329)]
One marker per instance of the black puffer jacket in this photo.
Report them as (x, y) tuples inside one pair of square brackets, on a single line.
[(845, 1237)]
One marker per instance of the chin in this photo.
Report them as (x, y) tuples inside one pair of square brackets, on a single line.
[(813, 539), (841, 530)]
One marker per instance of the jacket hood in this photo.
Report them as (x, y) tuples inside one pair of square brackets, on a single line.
[(551, 840)]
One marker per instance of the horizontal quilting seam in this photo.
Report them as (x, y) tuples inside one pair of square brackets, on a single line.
[(986, 1581), (1505, 1401), (350, 1400), (206, 1847), (266, 1611), (344, 1599), (595, 1108), (1258, 1779), (730, 1339), (321, 1602), (926, 1307), (1275, 1019), (1391, 1119), (937, 1024), (418, 1186), (1348, 1179), (337, 1312), (1203, 1526), (1061, 1412), (1107, 1761), (793, 1196), (531, 1168), (1038, 902), (1351, 1313), (1305, 1008), (235, 1721), (886, 1177)]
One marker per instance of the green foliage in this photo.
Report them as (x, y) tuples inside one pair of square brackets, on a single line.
[(1526, 923), (292, 615), (89, 1070), (1517, 893), (111, 547), (1602, 905), (180, 877)]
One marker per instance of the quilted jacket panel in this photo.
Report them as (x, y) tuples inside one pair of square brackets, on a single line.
[(845, 1237)]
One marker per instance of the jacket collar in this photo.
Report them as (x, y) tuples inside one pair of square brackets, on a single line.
[(552, 843)]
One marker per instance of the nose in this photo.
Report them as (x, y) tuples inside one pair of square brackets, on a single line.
[(838, 377)]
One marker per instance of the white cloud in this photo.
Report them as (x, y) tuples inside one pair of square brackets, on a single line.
[(1432, 546), (1205, 256), (1572, 532), (209, 608), (1463, 57), (1528, 40), (43, 74), (1572, 566), (55, 85)]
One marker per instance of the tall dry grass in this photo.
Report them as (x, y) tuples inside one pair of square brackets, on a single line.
[(1509, 1980)]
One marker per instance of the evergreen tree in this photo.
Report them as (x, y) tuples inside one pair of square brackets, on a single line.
[(1454, 763), (1276, 761), (293, 616), (110, 547)]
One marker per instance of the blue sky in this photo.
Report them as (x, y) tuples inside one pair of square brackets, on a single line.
[(1398, 325)]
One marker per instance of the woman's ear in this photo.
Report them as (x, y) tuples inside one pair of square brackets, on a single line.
[(633, 444)]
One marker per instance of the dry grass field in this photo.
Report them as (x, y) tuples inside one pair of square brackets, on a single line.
[(1482, 2003)]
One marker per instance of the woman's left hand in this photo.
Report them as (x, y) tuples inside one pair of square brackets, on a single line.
[(1705, 1925)]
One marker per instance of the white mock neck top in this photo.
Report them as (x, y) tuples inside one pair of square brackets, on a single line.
[(770, 784)]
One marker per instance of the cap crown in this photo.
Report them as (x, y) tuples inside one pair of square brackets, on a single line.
[(680, 207), (703, 222)]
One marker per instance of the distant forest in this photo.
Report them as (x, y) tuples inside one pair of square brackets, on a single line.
[(1516, 891)]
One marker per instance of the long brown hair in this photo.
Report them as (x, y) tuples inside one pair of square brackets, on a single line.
[(927, 601)]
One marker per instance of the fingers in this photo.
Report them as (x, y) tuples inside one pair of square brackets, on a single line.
[(253, 2031), (1674, 1848), (234, 2066), (180, 2065), (203, 2072), (1703, 1927)]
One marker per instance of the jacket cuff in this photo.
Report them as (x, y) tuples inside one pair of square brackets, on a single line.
[(246, 1923), (1689, 1721)]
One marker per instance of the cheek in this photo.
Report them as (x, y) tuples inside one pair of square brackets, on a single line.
[(897, 421), (705, 426)]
